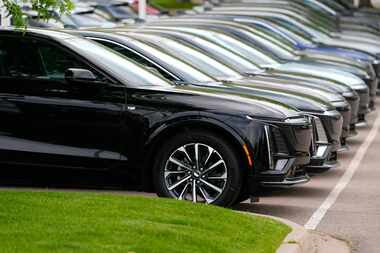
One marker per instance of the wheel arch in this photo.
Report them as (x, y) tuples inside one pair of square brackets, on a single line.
[(207, 124)]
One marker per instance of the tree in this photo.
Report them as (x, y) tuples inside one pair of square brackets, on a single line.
[(44, 8)]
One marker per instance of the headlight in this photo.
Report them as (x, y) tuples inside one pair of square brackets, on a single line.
[(298, 121), (335, 113), (359, 87), (348, 94)]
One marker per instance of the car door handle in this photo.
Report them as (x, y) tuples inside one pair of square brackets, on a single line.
[(60, 91), (11, 97)]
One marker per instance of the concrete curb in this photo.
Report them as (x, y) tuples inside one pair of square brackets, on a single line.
[(301, 240)]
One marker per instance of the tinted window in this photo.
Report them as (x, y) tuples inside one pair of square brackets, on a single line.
[(122, 69), (20, 59), (194, 57), (29, 58), (137, 58)]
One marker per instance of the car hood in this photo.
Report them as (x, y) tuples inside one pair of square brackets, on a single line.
[(367, 47), (321, 72), (216, 99), (336, 66), (308, 88), (299, 99), (343, 52), (309, 81)]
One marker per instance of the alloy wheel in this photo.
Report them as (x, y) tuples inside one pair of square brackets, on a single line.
[(195, 172)]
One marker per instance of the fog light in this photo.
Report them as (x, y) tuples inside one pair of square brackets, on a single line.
[(280, 164)]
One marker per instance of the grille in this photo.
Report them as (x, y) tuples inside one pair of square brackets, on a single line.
[(279, 142), (364, 96), (377, 69), (321, 133), (371, 84)]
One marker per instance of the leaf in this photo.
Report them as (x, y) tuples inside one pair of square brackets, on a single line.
[(46, 9)]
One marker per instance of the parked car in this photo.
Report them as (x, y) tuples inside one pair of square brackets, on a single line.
[(115, 10), (171, 60), (261, 78), (245, 47), (273, 67), (311, 30), (82, 16), (67, 102)]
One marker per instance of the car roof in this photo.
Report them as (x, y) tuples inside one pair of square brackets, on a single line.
[(46, 33)]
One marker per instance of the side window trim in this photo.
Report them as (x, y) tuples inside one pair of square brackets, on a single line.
[(139, 54)]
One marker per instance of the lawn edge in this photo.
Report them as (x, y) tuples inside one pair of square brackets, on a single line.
[(301, 240)]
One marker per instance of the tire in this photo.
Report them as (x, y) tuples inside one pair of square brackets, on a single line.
[(181, 147)]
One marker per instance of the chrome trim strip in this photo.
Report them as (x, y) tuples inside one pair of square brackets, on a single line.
[(270, 153)]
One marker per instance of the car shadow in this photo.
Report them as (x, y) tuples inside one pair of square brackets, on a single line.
[(31, 177)]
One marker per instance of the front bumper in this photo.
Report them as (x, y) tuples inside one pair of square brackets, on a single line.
[(323, 159), (326, 141), (348, 109), (363, 104), (372, 86), (376, 67), (329, 127), (288, 151), (294, 175)]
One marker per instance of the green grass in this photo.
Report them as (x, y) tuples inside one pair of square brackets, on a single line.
[(88, 222), (171, 4)]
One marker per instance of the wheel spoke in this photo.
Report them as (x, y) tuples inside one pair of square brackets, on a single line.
[(183, 191), (212, 167), (194, 191), (222, 177), (183, 150), (212, 186), (180, 164), (167, 173), (205, 195), (179, 183), (210, 152), (196, 150)]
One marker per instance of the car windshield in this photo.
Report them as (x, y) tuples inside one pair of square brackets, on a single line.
[(236, 46), (268, 41), (273, 30), (52, 23), (90, 19), (126, 71), (300, 38), (122, 10), (178, 67), (335, 5), (318, 30), (296, 28), (222, 54), (194, 58), (331, 6)]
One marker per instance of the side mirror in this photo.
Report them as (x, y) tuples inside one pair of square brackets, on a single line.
[(79, 75)]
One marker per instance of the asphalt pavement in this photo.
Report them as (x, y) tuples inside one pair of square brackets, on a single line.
[(343, 202)]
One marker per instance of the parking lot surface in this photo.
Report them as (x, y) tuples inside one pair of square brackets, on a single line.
[(354, 214)]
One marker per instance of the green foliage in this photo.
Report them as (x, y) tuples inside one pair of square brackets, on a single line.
[(44, 8), (39, 222), (171, 4)]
